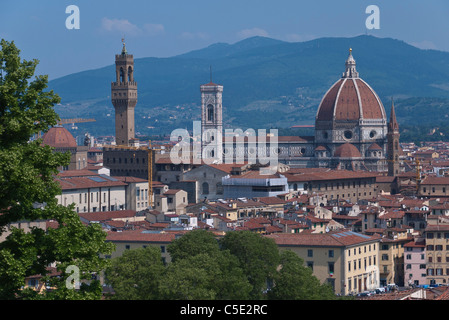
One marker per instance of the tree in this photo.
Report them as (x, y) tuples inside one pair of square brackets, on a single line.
[(294, 281), (28, 192), (136, 274), (201, 270), (192, 243), (258, 257)]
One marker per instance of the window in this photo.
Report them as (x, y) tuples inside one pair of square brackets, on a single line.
[(205, 188), (310, 253), (310, 264), (331, 267), (210, 112), (331, 253)]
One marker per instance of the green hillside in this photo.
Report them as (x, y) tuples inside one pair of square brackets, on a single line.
[(267, 83)]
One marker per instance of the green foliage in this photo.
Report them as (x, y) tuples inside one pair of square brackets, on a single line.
[(237, 267), (193, 243), (294, 281), (136, 274), (26, 181), (258, 257)]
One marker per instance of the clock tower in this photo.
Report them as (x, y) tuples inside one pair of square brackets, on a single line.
[(124, 97)]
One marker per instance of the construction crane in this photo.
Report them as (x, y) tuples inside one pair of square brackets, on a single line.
[(65, 121), (150, 174), (75, 120)]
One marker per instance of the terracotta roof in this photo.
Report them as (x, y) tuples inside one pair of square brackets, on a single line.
[(334, 239), (107, 215), (326, 175), (59, 137), (374, 146), (94, 181), (347, 150), (435, 180), (350, 99)]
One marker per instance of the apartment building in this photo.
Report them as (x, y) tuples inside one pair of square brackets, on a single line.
[(415, 263), (437, 251), (391, 252), (347, 260)]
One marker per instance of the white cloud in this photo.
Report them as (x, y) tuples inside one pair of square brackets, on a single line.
[(153, 29), (120, 25), (125, 27), (247, 33)]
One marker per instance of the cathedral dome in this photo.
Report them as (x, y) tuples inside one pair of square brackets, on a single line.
[(347, 150), (59, 137), (350, 98)]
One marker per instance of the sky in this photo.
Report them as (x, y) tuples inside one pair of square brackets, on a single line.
[(165, 28)]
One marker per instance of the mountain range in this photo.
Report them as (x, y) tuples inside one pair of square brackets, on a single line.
[(267, 83)]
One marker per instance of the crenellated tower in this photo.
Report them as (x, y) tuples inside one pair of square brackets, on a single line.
[(124, 97)]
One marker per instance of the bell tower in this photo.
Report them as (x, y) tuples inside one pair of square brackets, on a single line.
[(124, 97), (211, 122), (393, 144)]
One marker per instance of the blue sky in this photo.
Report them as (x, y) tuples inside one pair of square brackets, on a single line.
[(154, 28)]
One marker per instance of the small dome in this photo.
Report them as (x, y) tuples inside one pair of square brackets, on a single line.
[(374, 146), (347, 150), (320, 148), (59, 137)]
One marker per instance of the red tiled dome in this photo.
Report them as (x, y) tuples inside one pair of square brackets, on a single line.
[(350, 98), (59, 137), (347, 150), (374, 146)]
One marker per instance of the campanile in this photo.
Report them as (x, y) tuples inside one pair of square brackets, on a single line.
[(124, 97)]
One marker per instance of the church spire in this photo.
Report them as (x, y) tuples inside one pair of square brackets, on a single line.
[(351, 71), (393, 124)]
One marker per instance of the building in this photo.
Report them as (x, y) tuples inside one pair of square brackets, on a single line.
[(333, 184), (391, 251), (63, 141), (436, 236), (134, 239), (124, 97), (211, 122), (415, 263), (252, 184), (393, 145), (209, 179), (346, 260), (350, 131), (434, 187)]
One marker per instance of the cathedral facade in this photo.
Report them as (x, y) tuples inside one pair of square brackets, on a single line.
[(351, 130)]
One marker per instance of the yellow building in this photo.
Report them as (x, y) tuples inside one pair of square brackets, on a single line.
[(134, 239), (347, 260), (437, 251), (391, 264)]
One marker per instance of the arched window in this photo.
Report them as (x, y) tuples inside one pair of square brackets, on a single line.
[(210, 113), (130, 74), (122, 76), (205, 188)]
